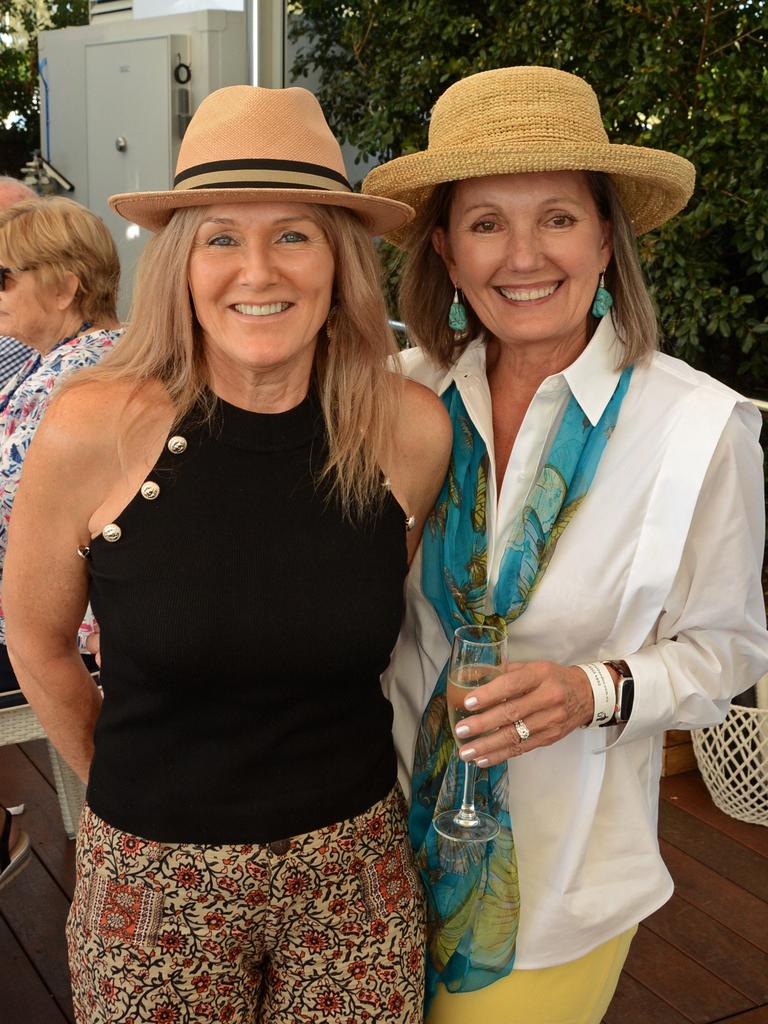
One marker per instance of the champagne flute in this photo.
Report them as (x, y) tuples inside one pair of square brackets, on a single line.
[(477, 657)]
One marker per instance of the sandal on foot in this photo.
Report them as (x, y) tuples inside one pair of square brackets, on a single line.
[(12, 858)]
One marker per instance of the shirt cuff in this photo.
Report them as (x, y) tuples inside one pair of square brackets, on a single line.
[(655, 708)]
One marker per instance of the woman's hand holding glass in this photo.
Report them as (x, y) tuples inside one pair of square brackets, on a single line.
[(477, 655), (549, 699)]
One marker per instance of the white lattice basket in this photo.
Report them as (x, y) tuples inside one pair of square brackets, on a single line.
[(733, 761)]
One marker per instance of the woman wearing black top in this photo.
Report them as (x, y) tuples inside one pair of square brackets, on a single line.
[(245, 482)]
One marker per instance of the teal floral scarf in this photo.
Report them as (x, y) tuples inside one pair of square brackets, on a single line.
[(472, 888)]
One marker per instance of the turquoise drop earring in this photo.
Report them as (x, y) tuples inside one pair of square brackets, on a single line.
[(457, 314), (603, 299)]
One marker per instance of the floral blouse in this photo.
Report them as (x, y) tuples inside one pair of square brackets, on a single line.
[(22, 403)]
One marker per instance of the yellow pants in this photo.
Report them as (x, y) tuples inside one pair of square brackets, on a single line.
[(574, 993)]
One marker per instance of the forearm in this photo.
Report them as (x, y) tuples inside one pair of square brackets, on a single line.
[(65, 699)]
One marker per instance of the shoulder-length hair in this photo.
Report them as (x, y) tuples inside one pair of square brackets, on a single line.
[(426, 290), (358, 393), (56, 236)]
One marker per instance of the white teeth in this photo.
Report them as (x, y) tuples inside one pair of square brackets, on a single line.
[(527, 294), (271, 307)]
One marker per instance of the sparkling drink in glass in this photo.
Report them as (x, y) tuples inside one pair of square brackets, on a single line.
[(477, 657)]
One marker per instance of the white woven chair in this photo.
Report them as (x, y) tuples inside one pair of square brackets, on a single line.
[(733, 761), (19, 724)]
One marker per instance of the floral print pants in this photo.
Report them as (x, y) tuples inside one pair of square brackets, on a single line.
[(328, 926)]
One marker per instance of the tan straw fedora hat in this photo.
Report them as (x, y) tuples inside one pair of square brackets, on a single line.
[(522, 119), (248, 144)]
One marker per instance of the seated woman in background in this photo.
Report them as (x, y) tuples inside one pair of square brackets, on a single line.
[(59, 274), (246, 481)]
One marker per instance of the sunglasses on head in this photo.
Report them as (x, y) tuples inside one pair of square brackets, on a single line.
[(4, 271)]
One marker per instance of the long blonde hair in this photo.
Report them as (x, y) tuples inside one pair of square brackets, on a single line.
[(426, 290), (358, 393)]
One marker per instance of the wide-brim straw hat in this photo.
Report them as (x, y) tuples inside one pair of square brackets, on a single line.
[(523, 119), (248, 144)]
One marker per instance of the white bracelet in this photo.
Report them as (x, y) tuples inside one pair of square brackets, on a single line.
[(603, 690)]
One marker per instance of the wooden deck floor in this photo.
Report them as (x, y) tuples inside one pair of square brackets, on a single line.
[(702, 958)]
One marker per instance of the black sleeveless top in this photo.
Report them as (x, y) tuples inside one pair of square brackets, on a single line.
[(244, 627)]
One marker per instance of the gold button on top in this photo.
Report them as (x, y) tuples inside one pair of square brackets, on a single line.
[(111, 532), (177, 445), (150, 490)]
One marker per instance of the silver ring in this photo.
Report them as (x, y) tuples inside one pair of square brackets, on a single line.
[(522, 730)]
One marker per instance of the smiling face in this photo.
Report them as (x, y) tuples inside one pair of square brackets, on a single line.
[(527, 251), (261, 278)]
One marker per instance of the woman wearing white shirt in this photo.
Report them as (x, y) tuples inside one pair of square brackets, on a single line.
[(620, 541)]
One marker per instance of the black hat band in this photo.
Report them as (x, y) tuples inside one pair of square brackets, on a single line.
[(261, 174)]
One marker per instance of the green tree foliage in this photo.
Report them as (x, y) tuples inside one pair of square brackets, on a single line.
[(21, 21), (685, 75)]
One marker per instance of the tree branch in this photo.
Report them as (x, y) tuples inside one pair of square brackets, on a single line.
[(357, 48), (704, 31), (732, 42)]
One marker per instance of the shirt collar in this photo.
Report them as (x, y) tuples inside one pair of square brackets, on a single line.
[(591, 378), (471, 363)]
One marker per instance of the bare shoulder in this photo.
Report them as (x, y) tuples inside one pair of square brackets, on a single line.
[(420, 453), (424, 431), (92, 433), (90, 417), (94, 443), (96, 401)]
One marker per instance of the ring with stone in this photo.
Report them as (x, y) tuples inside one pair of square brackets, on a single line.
[(522, 730)]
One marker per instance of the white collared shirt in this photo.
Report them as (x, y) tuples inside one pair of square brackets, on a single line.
[(661, 567)]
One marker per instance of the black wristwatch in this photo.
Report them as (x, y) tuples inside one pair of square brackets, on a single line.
[(625, 692)]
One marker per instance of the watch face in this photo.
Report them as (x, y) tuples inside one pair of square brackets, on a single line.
[(626, 699)]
